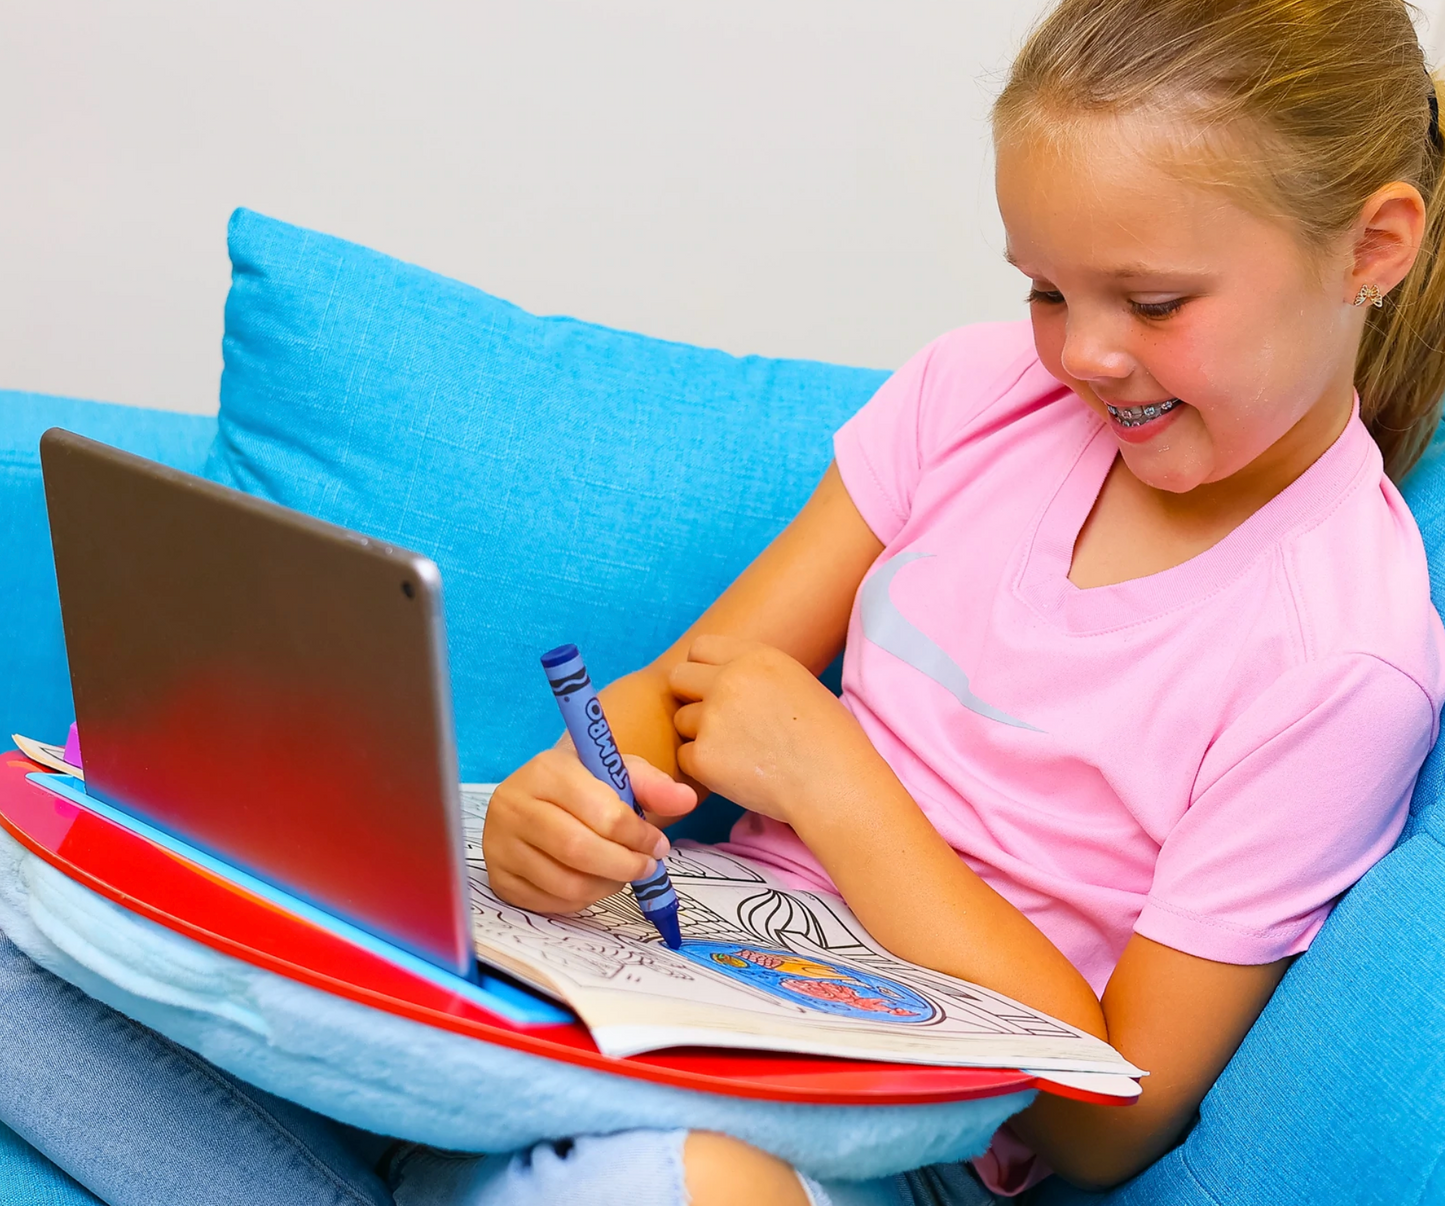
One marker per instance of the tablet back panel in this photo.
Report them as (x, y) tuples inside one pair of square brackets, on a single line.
[(266, 686)]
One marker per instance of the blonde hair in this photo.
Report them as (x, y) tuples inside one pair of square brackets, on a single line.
[(1310, 106)]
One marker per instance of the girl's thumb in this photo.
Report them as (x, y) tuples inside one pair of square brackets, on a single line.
[(657, 791)]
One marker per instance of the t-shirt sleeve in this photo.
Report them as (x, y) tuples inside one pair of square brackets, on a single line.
[(1294, 802), (883, 449)]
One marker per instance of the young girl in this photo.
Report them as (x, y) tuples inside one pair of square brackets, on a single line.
[(1140, 662)]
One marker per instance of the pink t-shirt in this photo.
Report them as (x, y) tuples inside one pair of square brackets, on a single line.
[(1207, 756)]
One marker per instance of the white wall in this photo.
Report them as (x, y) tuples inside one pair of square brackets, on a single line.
[(793, 177), (797, 177)]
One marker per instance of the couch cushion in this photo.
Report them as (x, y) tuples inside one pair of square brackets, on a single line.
[(574, 483), (1335, 1095), (28, 1179), (34, 681), (1424, 490)]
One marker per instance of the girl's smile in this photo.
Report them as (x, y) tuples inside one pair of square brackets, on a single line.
[(1142, 421)]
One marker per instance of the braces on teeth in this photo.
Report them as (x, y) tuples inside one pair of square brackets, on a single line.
[(1137, 416)]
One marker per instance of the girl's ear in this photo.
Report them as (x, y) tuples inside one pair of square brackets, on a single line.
[(1386, 238)]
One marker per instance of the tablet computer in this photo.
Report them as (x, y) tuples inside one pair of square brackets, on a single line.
[(266, 687)]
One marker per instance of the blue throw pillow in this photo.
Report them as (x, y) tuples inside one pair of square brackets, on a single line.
[(574, 483)]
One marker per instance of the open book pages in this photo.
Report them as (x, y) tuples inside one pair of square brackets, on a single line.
[(763, 967), (47, 755)]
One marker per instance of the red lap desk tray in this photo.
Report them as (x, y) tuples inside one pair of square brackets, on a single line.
[(182, 896)]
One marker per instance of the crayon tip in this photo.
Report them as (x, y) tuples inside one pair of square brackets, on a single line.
[(667, 926)]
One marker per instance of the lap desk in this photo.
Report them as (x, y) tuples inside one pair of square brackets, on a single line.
[(424, 412), (51, 818)]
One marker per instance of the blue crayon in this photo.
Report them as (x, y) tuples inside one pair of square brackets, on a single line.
[(582, 714)]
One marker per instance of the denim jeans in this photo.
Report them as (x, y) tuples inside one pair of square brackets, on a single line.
[(138, 1120)]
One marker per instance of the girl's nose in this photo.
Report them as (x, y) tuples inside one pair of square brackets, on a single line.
[(1093, 350)]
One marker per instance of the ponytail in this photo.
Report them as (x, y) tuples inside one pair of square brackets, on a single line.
[(1400, 369)]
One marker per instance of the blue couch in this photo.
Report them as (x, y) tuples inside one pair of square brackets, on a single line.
[(1338, 1093)]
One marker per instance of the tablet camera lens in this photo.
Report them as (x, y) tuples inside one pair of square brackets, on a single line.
[(408, 590)]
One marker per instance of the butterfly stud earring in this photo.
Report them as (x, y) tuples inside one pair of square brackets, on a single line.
[(1370, 294)]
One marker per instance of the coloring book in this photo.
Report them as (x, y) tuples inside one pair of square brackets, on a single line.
[(764, 967)]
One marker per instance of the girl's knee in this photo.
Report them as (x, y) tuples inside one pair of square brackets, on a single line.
[(722, 1171)]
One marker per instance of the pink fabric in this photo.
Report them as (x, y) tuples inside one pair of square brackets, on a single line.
[(1215, 752), (1208, 756), (72, 746), (1009, 1166)]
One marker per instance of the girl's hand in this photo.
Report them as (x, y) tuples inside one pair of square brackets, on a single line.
[(759, 728), (557, 839)]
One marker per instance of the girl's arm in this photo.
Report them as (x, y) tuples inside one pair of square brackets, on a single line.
[(796, 597), (556, 839), (1176, 1015), (764, 732)]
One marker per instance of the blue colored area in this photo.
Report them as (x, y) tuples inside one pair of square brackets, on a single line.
[(818, 984), (28, 1179)]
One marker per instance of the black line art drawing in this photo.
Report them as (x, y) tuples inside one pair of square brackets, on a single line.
[(761, 966)]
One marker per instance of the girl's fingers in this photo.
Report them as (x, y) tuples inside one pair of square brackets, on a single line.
[(571, 787), (686, 763), (687, 720), (553, 887), (691, 680), (517, 891), (571, 844), (658, 792)]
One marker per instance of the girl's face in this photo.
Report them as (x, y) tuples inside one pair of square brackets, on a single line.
[(1202, 334)]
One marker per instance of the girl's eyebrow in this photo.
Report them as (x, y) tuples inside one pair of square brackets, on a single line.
[(1138, 270), (1132, 271)]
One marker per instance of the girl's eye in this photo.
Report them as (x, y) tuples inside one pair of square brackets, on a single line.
[(1158, 309), (1049, 297)]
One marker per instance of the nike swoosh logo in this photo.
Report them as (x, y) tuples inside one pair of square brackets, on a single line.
[(889, 629)]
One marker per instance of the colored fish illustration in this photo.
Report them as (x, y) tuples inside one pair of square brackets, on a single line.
[(844, 994), (813, 983)]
